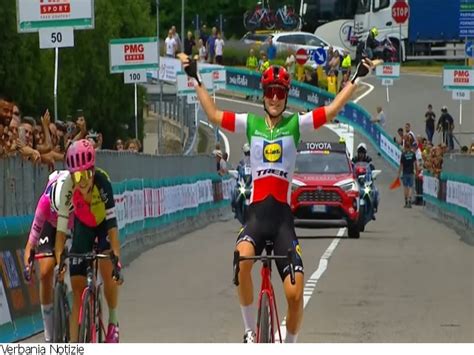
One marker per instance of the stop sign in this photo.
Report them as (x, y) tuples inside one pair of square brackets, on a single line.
[(400, 11), (301, 56)]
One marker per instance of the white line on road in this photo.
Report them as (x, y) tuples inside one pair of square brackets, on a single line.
[(310, 285), (371, 88)]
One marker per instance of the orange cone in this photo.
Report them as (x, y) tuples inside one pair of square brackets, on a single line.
[(396, 183)]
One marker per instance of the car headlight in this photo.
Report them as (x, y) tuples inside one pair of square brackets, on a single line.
[(294, 187), (349, 186)]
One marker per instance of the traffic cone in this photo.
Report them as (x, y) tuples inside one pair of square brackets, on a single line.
[(395, 184)]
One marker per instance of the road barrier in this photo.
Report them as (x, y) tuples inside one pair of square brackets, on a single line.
[(157, 199)]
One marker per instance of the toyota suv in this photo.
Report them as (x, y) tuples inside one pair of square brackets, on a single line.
[(324, 191)]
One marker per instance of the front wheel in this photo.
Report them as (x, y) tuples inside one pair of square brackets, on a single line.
[(264, 321), (87, 319), (249, 21), (60, 316)]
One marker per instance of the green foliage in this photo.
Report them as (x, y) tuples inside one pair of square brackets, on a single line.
[(27, 73)]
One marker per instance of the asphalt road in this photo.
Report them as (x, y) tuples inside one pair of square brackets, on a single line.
[(407, 279)]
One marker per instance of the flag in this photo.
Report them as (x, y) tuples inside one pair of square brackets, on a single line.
[(396, 183)]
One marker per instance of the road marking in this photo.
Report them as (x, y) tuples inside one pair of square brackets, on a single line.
[(311, 283), (371, 88)]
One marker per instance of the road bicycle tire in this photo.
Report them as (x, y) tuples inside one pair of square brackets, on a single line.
[(86, 321), (59, 316), (98, 318), (264, 325), (248, 23)]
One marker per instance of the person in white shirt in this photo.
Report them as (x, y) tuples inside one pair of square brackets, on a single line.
[(219, 45), (202, 51), (380, 117), (176, 38), (171, 46), (290, 63)]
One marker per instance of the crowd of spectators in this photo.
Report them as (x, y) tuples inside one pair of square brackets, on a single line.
[(44, 141)]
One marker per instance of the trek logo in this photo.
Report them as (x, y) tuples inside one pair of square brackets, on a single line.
[(272, 152), (55, 7), (43, 240), (277, 172)]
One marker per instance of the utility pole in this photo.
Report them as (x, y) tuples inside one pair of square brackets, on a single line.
[(160, 103)]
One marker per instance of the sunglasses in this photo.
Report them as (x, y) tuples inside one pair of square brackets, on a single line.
[(278, 91), (85, 175)]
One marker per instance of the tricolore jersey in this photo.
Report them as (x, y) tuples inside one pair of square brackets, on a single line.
[(273, 151), (101, 207)]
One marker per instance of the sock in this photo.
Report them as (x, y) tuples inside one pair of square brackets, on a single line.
[(290, 338), (113, 316), (47, 313), (248, 315)]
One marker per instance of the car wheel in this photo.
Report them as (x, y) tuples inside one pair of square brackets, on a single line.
[(353, 230)]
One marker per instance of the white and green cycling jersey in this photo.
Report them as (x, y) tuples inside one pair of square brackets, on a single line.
[(273, 151)]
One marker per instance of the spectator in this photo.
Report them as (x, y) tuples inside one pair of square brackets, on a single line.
[(264, 63), (446, 126), (219, 49), (332, 82), (271, 49), (133, 145), (176, 38), (290, 64), (410, 133), (225, 157), (335, 63), (464, 149), (24, 143), (346, 63), (16, 113), (211, 45), (221, 164), (330, 54), (252, 61), (310, 77), (203, 35), (471, 149), (430, 117), (119, 145), (399, 138), (95, 138), (202, 51), (371, 43), (171, 45), (379, 117), (345, 80), (407, 171), (80, 127), (189, 43)]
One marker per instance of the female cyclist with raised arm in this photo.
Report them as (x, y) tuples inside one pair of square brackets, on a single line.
[(90, 192), (273, 140), (42, 238)]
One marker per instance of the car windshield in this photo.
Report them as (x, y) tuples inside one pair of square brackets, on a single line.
[(332, 163), (256, 37), (363, 6)]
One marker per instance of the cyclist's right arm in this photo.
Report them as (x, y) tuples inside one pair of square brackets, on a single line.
[(41, 213), (213, 113), (63, 217)]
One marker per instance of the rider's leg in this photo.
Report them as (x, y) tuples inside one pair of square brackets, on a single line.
[(78, 283), (245, 288), (110, 289), (46, 273), (294, 297)]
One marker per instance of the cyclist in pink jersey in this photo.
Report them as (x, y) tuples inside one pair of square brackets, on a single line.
[(42, 237)]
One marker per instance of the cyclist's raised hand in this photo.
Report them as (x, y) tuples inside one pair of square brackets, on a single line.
[(363, 69), (190, 67)]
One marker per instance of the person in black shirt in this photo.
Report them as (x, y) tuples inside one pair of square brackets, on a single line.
[(189, 43), (430, 117), (446, 125), (407, 169)]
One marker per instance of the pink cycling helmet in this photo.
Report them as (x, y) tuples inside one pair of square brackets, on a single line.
[(80, 156)]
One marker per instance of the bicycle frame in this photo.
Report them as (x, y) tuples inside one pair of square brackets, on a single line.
[(267, 288)]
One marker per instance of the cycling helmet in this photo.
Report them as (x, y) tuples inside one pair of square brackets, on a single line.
[(80, 156), (342, 140), (362, 148), (375, 31), (58, 179), (276, 75), (246, 148)]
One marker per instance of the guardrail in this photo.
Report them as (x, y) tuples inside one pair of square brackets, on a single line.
[(157, 199)]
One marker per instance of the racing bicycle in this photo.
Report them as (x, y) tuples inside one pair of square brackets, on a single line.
[(267, 315), (91, 325), (61, 308)]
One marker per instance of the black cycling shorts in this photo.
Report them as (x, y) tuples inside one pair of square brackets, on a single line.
[(83, 242), (47, 238), (271, 220)]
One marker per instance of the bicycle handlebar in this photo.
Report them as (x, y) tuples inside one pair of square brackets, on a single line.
[(91, 256), (237, 259), (29, 269)]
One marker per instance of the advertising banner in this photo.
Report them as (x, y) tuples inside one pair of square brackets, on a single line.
[(132, 54)]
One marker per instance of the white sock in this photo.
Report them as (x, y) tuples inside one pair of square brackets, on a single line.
[(47, 313), (290, 338), (248, 315)]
